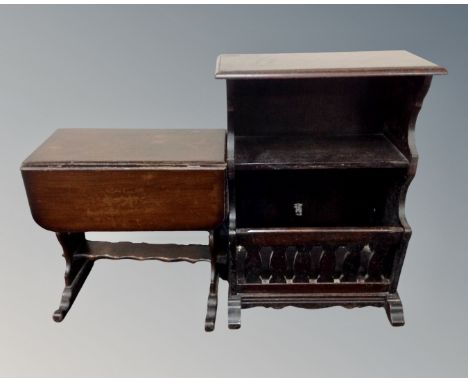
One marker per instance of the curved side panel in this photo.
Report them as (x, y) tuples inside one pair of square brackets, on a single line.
[(401, 129), (231, 197), (411, 143)]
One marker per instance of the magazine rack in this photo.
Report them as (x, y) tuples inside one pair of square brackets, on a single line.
[(320, 154)]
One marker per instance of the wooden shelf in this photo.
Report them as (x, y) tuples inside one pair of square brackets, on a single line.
[(308, 152), (321, 230), (302, 235), (329, 64)]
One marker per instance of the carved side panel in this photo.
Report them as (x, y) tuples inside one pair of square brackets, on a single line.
[(403, 104), (301, 266), (278, 267)]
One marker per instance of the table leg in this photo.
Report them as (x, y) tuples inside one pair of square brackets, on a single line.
[(234, 312), (76, 271), (394, 309), (212, 297)]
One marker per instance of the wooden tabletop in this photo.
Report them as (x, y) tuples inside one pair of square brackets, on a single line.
[(331, 64), (130, 147)]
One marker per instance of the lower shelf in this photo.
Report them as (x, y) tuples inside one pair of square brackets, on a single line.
[(318, 198), (317, 301), (390, 301)]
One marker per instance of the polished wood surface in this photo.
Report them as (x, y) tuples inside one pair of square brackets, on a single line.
[(80, 255), (71, 200), (320, 154), (96, 250), (164, 180), (308, 152), (83, 180), (130, 147), (329, 64), (304, 198)]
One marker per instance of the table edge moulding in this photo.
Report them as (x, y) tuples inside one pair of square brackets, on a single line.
[(328, 64)]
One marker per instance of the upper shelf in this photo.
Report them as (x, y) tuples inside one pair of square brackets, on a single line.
[(331, 64), (307, 152)]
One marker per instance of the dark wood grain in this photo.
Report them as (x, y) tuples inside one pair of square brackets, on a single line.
[(104, 199), (312, 289), (308, 152), (324, 64), (401, 129), (129, 180), (304, 197), (96, 250), (125, 180), (130, 148), (320, 156), (325, 198), (80, 255), (314, 235), (212, 303), (76, 270)]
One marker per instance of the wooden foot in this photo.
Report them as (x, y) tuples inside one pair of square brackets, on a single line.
[(234, 312), (212, 297), (394, 309), (71, 291), (76, 272)]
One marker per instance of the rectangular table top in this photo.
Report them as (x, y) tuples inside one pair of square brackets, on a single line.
[(130, 148), (329, 64), (83, 180)]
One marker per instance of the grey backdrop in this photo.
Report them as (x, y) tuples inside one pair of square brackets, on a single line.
[(152, 67)]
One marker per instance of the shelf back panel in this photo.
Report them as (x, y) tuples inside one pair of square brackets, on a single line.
[(318, 106), (318, 198)]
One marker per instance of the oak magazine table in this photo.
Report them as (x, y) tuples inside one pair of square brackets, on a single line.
[(304, 198)]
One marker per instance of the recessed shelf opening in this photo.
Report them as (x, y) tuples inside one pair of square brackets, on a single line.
[(318, 198), (315, 152)]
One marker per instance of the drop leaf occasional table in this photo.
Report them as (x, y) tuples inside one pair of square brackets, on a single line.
[(83, 180)]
